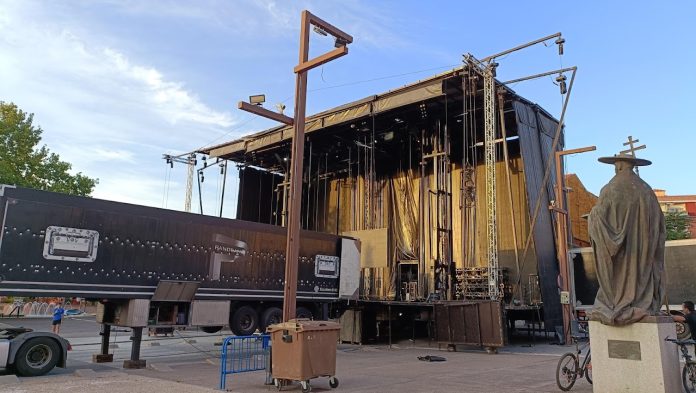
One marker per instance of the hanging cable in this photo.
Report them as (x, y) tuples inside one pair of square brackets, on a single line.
[(167, 183), (218, 180)]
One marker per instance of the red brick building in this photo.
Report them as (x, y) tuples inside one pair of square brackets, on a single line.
[(679, 203), (580, 202)]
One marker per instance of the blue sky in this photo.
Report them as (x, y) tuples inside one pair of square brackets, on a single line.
[(114, 84)]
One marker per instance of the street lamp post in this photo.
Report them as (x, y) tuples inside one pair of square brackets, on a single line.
[(297, 155)]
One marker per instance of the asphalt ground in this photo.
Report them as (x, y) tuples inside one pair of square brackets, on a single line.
[(189, 362)]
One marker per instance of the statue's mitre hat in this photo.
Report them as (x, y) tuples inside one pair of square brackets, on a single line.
[(625, 157)]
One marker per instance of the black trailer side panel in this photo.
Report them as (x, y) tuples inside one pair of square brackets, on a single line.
[(138, 246)]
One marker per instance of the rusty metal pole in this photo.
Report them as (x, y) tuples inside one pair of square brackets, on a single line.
[(294, 203), (562, 244), (562, 237), (292, 246), (297, 155)]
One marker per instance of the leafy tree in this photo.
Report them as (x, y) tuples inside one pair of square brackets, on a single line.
[(677, 224), (23, 163)]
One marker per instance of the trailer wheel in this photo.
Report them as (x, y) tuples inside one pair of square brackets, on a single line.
[(303, 313), (271, 316), (244, 321), (211, 329), (37, 357)]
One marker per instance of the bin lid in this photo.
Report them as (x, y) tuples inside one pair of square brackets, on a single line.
[(300, 325)]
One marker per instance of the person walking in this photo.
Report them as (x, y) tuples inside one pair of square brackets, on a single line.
[(57, 318)]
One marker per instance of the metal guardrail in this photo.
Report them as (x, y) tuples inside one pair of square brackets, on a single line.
[(241, 354)]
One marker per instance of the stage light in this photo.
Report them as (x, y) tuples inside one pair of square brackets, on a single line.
[(258, 99)]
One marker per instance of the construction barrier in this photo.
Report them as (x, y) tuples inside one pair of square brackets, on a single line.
[(240, 354)]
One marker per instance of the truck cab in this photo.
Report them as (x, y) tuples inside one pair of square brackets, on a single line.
[(28, 353)]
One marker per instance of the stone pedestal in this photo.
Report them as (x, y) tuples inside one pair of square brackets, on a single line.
[(635, 358)]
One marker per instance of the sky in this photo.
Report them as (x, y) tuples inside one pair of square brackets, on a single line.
[(116, 84)]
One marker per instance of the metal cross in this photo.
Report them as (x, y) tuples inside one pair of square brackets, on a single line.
[(632, 149)]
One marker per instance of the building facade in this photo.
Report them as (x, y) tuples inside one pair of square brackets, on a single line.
[(684, 204)]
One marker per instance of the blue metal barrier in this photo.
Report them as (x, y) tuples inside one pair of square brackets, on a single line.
[(243, 353)]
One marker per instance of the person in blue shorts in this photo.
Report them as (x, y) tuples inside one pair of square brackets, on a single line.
[(57, 318)]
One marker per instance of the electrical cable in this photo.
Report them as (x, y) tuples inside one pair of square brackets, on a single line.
[(547, 172), (250, 119), (218, 185), (352, 83), (193, 346), (382, 78), (167, 180)]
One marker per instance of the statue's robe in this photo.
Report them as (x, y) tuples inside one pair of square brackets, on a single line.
[(627, 229)]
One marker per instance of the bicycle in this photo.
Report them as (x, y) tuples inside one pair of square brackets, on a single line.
[(569, 367), (689, 370)]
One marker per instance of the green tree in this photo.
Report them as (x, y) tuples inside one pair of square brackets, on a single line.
[(677, 224), (23, 163)]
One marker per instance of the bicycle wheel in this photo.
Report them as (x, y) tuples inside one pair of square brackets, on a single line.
[(689, 377), (567, 371), (588, 369)]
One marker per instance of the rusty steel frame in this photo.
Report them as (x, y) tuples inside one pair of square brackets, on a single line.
[(562, 236), (297, 154), (294, 202), (528, 44), (261, 111)]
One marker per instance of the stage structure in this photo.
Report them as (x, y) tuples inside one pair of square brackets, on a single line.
[(442, 181)]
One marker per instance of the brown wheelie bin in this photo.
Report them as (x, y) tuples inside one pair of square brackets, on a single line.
[(302, 350)]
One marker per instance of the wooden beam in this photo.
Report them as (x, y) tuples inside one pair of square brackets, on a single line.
[(319, 60), (329, 28), (261, 111)]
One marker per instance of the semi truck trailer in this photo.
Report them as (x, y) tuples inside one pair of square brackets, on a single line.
[(151, 267)]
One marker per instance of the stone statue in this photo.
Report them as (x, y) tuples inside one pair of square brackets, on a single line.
[(627, 229)]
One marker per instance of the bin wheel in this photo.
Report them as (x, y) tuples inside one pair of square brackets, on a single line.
[(333, 382), (306, 387)]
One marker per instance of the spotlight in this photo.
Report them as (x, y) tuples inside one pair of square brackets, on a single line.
[(492, 66), (320, 31), (560, 41), (561, 79), (280, 107), (258, 99)]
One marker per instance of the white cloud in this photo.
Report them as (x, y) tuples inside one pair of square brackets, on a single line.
[(104, 105), (109, 115), (170, 99)]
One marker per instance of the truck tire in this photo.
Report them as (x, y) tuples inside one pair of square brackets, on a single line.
[(244, 321), (37, 356), (271, 316), (303, 312), (211, 329)]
